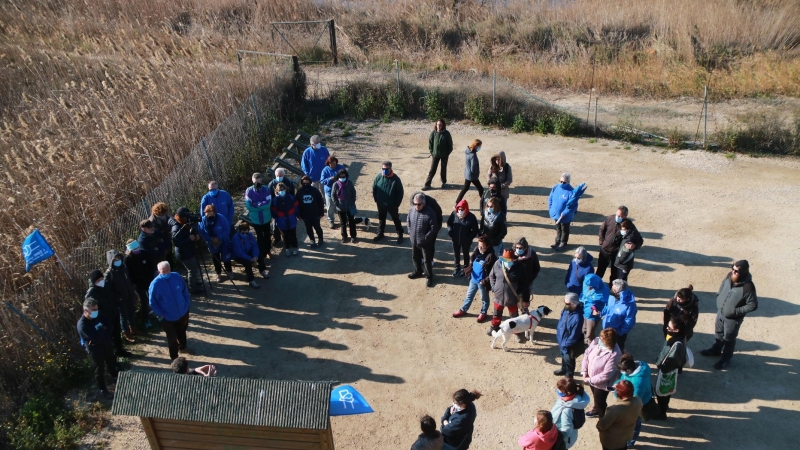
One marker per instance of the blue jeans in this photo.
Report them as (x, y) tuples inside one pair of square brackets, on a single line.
[(471, 291), (498, 250), (638, 428)]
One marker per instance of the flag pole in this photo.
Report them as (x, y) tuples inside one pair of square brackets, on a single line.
[(62, 265)]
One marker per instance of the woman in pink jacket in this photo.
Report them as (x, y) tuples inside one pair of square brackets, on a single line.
[(544, 434), (599, 369)]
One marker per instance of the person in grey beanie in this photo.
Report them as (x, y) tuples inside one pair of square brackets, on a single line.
[(736, 298)]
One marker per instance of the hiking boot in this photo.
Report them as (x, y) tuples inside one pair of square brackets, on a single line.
[(354, 240), (313, 244), (254, 285), (429, 283), (722, 364), (186, 351), (400, 239), (345, 240), (414, 275), (458, 269), (378, 237), (482, 317), (264, 274), (560, 372), (444, 185), (427, 187), (321, 243), (459, 313), (592, 414)]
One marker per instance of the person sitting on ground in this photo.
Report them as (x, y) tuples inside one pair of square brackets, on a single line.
[(181, 366), (617, 425), (462, 227), (311, 209), (245, 252), (579, 267), (569, 408), (685, 307), (214, 229), (95, 330), (431, 438), (479, 268), (544, 434)]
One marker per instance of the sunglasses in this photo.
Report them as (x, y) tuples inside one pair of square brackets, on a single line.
[(418, 204)]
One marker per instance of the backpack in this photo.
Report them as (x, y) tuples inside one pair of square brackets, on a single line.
[(578, 418), (560, 444)]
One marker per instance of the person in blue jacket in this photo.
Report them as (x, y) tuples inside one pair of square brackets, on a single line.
[(563, 204), (458, 421), (327, 178), (285, 212), (569, 334), (214, 230), (579, 267), (620, 312), (245, 251), (594, 298), (314, 159), (638, 373), (221, 200), (170, 301)]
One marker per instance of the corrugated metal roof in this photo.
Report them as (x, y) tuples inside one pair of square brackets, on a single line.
[(240, 401)]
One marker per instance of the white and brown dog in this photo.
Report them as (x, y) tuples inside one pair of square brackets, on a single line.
[(525, 323)]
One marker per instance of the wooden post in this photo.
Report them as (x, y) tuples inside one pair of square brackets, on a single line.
[(295, 64), (150, 432), (705, 115), (595, 116), (332, 28), (494, 91)]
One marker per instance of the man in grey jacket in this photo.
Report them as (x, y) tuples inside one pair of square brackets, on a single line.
[(423, 226), (736, 298)]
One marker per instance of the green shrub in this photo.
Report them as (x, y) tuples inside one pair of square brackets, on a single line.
[(341, 100), (44, 423), (676, 139), (367, 106), (544, 124), (395, 107), (434, 105), (521, 124), (564, 124), (762, 135), (475, 111)]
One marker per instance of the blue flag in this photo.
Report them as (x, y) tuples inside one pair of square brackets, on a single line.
[(345, 400), (35, 249)]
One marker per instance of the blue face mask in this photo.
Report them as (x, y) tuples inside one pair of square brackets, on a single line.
[(507, 264), (117, 263), (342, 179), (281, 193), (386, 172), (520, 251), (618, 219), (560, 394), (490, 210), (94, 314), (213, 192), (278, 179)]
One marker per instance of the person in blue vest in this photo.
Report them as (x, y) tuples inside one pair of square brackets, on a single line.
[(214, 230), (314, 159), (569, 334), (95, 330), (221, 200), (170, 301), (594, 298), (620, 312), (246, 253)]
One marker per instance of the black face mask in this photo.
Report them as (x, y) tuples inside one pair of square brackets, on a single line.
[(257, 185)]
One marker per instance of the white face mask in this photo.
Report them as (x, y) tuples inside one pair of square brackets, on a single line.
[(460, 214), (577, 261), (477, 150), (100, 283), (623, 232), (456, 407)]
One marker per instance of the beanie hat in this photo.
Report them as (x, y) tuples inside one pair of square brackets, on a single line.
[(182, 212), (743, 266), (95, 275), (509, 255)]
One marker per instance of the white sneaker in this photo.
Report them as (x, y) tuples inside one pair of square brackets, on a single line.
[(288, 252), (218, 278), (264, 274)]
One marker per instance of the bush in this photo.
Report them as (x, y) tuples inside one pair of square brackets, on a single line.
[(565, 124), (44, 423), (395, 107), (367, 106), (544, 124), (475, 111), (762, 135), (521, 124), (676, 139), (434, 105)]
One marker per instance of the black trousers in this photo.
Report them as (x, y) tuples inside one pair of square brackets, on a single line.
[(562, 233), (568, 358), (101, 361), (264, 239), (417, 253), (248, 267), (313, 225), (382, 212), (289, 238), (459, 249), (144, 304), (434, 166), (347, 220), (218, 263), (176, 334), (604, 261), (116, 331), (663, 403), (464, 189), (621, 338), (600, 401)]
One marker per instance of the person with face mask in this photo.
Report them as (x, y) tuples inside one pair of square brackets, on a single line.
[(638, 374), (625, 255), (671, 360), (736, 298), (184, 236), (422, 231), (344, 198), (245, 251), (493, 224), (500, 170), (214, 230), (510, 287), (387, 191), (594, 297), (563, 205), (570, 399), (579, 266), (313, 161), (472, 169), (312, 209), (569, 334), (142, 269), (280, 177), (95, 330), (258, 201), (108, 302), (221, 200), (119, 281), (170, 301), (285, 212), (160, 220), (480, 266), (493, 192), (620, 311), (527, 256), (440, 146), (462, 227), (684, 305), (610, 240), (458, 421), (599, 370), (149, 241), (328, 177)]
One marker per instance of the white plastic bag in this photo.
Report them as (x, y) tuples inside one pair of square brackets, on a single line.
[(689, 357)]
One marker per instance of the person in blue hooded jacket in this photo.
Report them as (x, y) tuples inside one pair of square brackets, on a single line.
[(560, 212), (314, 159), (170, 301), (221, 200), (579, 267), (638, 373), (327, 179), (594, 298), (620, 312), (214, 229), (569, 334), (245, 250)]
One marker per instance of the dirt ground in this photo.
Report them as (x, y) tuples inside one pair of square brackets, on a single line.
[(348, 312)]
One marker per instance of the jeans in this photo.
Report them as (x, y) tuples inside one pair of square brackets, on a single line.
[(638, 428), (498, 250), (600, 401), (193, 276), (473, 288), (569, 356), (464, 189), (312, 225), (605, 260), (434, 166), (176, 334), (417, 253), (562, 233), (460, 249), (101, 361), (382, 212), (331, 208), (264, 239)]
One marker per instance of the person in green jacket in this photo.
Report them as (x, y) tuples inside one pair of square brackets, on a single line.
[(387, 191), (440, 144)]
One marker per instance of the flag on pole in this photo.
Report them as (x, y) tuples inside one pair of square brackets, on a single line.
[(35, 249), (345, 400)]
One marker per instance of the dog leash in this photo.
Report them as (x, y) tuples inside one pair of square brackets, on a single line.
[(532, 319)]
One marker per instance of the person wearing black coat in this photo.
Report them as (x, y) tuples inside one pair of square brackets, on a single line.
[(142, 269), (108, 303), (422, 230), (528, 257), (311, 209), (493, 224), (95, 330), (119, 281), (684, 306), (184, 236), (458, 421), (462, 227)]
